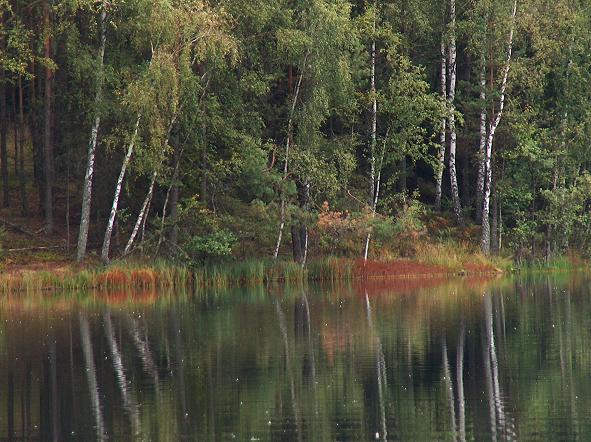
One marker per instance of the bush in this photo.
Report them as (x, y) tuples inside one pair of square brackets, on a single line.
[(213, 247)]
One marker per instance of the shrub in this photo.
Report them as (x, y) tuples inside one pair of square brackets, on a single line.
[(213, 247)]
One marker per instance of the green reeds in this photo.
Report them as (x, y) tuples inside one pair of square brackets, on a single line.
[(557, 263), (169, 276)]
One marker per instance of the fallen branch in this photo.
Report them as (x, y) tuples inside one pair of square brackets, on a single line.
[(26, 249), (23, 231)]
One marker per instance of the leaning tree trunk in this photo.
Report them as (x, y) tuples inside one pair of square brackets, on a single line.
[(452, 66), (87, 192), (111, 222), (485, 240), (442, 135), (47, 130), (142, 215)]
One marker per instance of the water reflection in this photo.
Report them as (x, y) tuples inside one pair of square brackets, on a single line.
[(458, 361)]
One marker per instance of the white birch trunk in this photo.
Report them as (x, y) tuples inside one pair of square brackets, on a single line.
[(485, 242), (442, 135), (482, 144), (373, 139), (452, 66), (283, 209), (87, 192), (110, 223), (141, 215), (305, 255)]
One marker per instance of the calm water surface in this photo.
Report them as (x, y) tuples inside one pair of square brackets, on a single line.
[(459, 360)]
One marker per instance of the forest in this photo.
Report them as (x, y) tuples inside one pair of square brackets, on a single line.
[(203, 131)]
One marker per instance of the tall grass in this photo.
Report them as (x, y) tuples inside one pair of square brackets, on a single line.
[(163, 275), (460, 257), (557, 263)]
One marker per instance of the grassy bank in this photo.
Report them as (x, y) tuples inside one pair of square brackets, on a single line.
[(163, 275), (431, 260)]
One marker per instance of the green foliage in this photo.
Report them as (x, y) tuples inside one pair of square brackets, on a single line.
[(214, 85), (213, 247)]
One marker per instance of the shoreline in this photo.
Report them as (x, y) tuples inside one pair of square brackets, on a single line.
[(63, 275)]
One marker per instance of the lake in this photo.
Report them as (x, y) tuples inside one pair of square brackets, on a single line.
[(430, 359)]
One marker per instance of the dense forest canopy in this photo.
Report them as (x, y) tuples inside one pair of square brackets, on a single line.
[(203, 129)]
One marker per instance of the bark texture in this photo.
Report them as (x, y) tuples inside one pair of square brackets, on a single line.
[(485, 240), (442, 135), (110, 223), (87, 192), (451, 119)]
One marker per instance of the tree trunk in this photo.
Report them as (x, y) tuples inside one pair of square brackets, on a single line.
[(304, 228), (495, 222), (485, 240), (173, 235), (3, 126), (373, 136), (165, 207), (47, 130), (452, 66), (87, 192), (15, 128), (296, 243), (36, 139), (288, 140), (21, 166), (482, 144), (142, 215), (111, 222), (442, 135)]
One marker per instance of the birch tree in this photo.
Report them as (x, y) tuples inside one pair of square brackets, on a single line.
[(322, 38), (494, 123), (443, 133), (373, 185), (185, 36), (88, 176), (451, 118)]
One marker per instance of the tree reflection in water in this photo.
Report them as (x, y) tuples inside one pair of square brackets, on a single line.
[(465, 361)]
